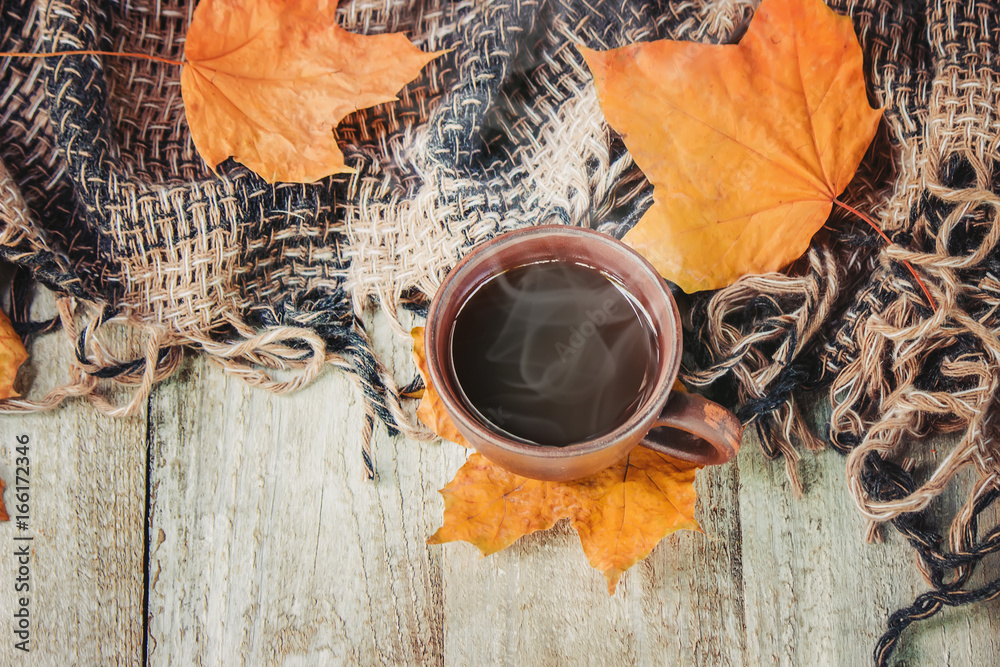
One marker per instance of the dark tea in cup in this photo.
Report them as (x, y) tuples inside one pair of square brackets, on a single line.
[(553, 353)]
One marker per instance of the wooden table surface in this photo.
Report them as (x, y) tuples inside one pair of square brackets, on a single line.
[(224, 525)]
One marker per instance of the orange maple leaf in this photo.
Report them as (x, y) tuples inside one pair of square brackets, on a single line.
[(3, 508), (624, 511), (747, 145), (491, 508), (620, 513), (12, 355), (431, 409), (267, 81)]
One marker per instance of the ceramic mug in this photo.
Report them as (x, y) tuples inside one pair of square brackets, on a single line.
[(681, 425)]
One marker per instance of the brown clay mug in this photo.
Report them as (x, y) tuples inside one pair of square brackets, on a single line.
[(683, 426)]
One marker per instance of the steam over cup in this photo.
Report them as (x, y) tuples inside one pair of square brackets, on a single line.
[(681, 425)]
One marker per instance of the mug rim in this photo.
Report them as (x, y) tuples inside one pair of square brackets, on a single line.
[(634, 427)]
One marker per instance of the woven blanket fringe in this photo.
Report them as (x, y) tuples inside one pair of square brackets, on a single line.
[(253, 358), (896, 373)]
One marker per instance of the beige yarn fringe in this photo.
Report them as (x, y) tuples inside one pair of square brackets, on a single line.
[(252, 359), (892, 343)]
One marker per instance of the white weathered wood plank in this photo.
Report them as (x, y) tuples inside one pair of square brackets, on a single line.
[(817, 594), (88, 492), (269, 545)]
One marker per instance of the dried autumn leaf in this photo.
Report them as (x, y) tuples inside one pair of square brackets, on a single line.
[(267, 81), (3, 507), (747, 145), (624, 511), (12, 355), (620, 513), (431, 409), (491, 508)]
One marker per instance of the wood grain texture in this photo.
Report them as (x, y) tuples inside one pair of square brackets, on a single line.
[(270, 546), (88, 490), (817, 594), (267, 546)]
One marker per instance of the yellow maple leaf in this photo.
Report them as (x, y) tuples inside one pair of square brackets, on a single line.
[(620, 513), (747, 145), (431, 410), (624, 511), (492, 508), (12, 355), (266, 82)]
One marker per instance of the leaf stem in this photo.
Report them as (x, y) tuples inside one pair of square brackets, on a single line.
[(878, 230), (87, 52)]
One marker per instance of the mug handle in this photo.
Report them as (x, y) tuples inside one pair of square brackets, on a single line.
[(693, 428)]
